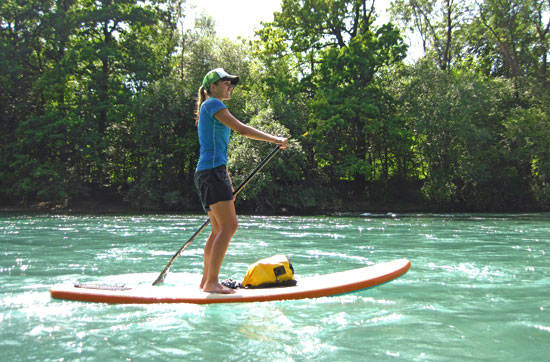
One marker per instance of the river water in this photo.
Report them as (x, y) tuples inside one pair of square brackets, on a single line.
[(478, 289)]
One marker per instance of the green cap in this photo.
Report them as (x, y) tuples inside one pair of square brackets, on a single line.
[(216, 74)]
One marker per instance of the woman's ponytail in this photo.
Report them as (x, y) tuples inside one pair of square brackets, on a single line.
[(201, 98)]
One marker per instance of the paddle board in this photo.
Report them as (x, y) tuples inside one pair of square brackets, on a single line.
[(310, 287)]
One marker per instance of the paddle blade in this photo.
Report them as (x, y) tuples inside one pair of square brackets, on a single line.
[(160, 278)]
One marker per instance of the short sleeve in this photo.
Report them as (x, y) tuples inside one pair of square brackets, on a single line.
[(213, 105)]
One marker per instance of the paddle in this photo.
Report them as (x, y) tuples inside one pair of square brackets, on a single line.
[(162, 275)]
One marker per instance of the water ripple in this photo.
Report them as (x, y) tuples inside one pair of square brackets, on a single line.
[(477, 289)]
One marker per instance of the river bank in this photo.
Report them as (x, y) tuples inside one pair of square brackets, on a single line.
[(102, 206), (115, 204)]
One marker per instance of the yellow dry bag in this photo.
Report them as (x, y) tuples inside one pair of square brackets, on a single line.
[(275, 271)]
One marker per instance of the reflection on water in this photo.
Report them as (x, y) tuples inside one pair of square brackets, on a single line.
[(477, 289)]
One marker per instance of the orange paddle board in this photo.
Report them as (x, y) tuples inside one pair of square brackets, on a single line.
[(310, 287)]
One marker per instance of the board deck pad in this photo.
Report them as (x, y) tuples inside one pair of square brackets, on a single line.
[(311, 287), (101, 286)]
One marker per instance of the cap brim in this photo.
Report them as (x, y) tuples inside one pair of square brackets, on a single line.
[(234, 79)]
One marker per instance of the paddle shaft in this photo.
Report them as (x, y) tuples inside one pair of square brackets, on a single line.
[(162, 275)]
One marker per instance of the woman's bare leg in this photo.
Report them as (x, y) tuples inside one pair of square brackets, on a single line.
[(224, 215), (208, 246)]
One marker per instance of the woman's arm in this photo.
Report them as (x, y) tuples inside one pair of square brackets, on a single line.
[(225, 117)]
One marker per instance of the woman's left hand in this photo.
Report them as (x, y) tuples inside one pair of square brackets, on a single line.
[(282, 142)]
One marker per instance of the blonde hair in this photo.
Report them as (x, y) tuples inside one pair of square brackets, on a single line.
[(203, 93)]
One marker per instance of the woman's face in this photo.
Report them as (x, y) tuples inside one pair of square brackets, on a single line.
[(221, 89)]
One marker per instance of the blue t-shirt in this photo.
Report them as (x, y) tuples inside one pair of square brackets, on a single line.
[(213, 136)]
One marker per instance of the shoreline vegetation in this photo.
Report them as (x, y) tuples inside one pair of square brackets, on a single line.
[(98, 101), (100, 206)]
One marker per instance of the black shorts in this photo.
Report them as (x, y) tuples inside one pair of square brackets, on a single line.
[(213, 185)]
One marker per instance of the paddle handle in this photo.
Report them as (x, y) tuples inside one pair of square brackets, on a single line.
[(163, 274)]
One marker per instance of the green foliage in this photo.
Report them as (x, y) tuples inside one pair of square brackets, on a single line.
[(526, 138), (162, 148), (439, 25), (340, 56), (279, 185), (98, 98), (458, 119)]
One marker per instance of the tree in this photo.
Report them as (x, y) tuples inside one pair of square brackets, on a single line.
[(526, 138), (37, 118), (72, 69), (119, 48), (336, 53), (512, 38), (440, 25), (278, 187), (537, 14), (162, 134), (463, 147)]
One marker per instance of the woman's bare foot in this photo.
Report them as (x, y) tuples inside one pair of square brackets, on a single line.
[(217, 288)]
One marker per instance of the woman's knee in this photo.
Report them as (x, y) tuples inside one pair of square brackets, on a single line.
[(231, 225), (224, 214)]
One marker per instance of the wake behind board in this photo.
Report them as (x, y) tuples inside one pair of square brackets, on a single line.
[(311, 287)]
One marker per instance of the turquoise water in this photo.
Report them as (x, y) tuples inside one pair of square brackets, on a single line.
[(478, 289)]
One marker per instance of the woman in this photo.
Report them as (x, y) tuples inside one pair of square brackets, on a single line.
[(212, 180)]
